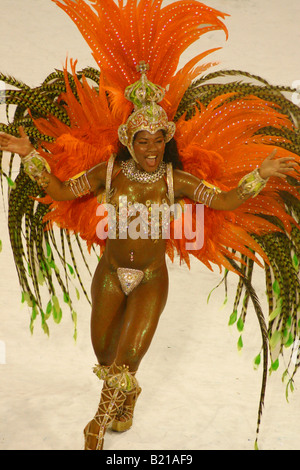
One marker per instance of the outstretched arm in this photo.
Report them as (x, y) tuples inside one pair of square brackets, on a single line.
[(37, 168), (198, 190)]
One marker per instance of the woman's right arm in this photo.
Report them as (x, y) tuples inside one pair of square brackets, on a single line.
[(36, 167)]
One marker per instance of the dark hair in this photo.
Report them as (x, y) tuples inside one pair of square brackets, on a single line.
[(171, 154)]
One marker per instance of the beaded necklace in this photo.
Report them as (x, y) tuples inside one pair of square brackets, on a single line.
[(131, 171)]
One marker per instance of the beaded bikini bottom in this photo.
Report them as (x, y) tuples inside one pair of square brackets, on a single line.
[(129, 279)]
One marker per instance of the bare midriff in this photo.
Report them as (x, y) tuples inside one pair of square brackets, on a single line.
[(136, 254)]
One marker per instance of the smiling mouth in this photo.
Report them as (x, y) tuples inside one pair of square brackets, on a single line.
[(151, 160)]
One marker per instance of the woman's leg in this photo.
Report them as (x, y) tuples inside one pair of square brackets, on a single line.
[(108, 307), (113, 395), (143, 309)]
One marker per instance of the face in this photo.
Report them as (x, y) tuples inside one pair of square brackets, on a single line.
[(149, 149)]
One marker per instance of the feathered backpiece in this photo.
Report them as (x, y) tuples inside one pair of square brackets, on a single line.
[(227, 122)]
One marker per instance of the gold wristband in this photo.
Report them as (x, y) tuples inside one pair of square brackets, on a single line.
[(205, 193), (79, 185), (36, 166), (250, 185)]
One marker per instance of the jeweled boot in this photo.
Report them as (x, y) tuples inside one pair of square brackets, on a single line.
[(123, 420), (118, 381)]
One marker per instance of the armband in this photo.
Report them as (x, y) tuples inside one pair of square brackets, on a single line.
[(79, 186), (205, 193), (250, 185), (37, 168)]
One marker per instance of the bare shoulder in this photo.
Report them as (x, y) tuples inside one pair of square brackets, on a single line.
[(184, 183), (180, 175), (97, 174)]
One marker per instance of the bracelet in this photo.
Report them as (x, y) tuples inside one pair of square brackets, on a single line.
[(205, 193), (250, 185), (37, 168), (79, 186)]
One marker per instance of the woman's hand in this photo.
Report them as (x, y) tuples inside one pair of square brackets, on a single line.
[(272, 166), (20, 145)]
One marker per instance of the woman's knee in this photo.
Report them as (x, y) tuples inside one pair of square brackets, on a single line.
[(130, 357), (107, 355)]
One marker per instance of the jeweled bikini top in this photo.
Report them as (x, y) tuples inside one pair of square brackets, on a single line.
[(152, 224)]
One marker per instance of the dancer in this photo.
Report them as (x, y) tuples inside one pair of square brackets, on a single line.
[(78, 162), (129, 288)]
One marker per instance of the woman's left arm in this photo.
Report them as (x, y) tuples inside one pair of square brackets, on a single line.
[(250, 185)]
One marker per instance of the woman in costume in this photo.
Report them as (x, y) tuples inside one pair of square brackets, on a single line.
[(130, 285)]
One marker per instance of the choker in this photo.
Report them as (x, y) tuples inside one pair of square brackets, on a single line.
[(131, 171)]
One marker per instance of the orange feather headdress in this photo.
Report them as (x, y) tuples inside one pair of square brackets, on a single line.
[(122, 37)]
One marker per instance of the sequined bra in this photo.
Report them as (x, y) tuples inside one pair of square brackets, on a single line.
[(154, 219)]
